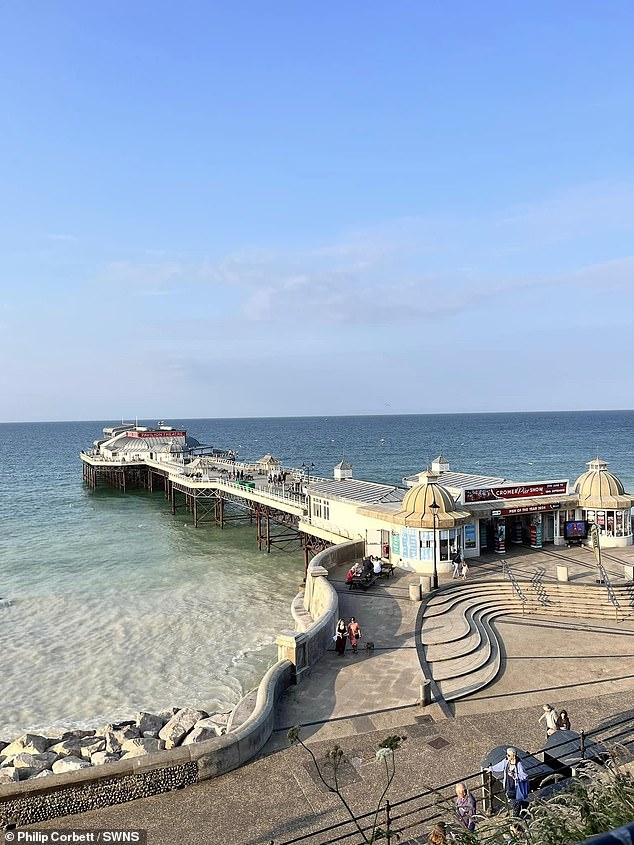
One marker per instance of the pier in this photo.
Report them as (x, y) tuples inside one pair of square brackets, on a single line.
[(441, 515), (217, 490)]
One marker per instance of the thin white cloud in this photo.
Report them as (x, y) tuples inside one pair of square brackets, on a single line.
[(60, 238)]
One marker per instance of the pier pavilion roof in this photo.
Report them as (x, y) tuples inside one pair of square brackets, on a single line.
[(357, 491), (457, 480), (416, 510), (599, 488)]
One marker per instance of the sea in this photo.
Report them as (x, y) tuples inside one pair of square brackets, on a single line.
[(111, 605)]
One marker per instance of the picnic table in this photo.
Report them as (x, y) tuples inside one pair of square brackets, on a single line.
[(362, 582)]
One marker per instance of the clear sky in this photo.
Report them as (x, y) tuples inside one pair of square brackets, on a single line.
[(288, 208)]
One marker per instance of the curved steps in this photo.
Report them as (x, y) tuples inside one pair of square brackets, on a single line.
[(461, 649)]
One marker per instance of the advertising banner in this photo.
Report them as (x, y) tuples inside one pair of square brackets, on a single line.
[(516, 491)]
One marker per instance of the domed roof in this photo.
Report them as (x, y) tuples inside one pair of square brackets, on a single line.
[(598, 488), (420, 502)]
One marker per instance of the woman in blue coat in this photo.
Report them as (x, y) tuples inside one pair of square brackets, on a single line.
[(514, 780)]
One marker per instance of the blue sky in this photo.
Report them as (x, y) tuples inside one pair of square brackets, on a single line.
[(283, 208)]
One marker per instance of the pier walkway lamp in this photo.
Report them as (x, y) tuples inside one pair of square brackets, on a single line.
[(434, 506), (307, 468)]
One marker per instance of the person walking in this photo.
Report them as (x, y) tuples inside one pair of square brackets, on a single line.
[(514, 780), (465, 806), (341, 635), (551, 716), (457, 562), (464, 570), (563, 722), (354, 633)]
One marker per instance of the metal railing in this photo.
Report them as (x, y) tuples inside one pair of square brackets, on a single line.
[(603, 579), (407, 817), (507, 572), (537, 582)]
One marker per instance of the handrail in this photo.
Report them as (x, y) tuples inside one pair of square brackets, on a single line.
[(433, 801), (508, 573), (603, 576), (538, 585)]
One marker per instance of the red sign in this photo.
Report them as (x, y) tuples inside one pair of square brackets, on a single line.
[(517, 491), (156, 433)]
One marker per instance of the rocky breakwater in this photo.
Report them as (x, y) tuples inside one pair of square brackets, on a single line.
[(34, 756)]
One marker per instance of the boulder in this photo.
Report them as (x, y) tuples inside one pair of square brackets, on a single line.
[(76, 734), (43, 774), (217, 723), (90, 746), (141, 746), (117, 736), (199, 735), (149, 724), (99, 758), (175, 731), (31, 743), (3, 745), (33, 763), (9, 775), (166, 715), (69, 764), (67, 748)]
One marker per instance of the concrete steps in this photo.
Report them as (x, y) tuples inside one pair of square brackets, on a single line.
[(461, 649)]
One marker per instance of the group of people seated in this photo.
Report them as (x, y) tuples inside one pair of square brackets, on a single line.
[(365, 569)]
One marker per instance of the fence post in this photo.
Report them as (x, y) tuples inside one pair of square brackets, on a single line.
[(488, 792), (582, 744)]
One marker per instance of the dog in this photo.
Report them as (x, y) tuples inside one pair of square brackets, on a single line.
[(369, 646)]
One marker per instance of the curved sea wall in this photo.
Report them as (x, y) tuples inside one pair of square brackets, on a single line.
[(41, 799)]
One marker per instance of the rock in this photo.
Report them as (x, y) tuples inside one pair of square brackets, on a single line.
[(33, 763), (166, 715), (43, 774), (116, 737), (69, 764), (217, 723), (200, 735), (9, 775), (99, 758), (90, 746), (3, 745), (67, 748), (76, 734), (148, 723), (139, 747), (31, 743), (175, 731)]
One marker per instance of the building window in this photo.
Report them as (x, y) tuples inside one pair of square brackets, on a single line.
[(321, 508)]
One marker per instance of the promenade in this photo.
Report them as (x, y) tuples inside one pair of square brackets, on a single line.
[(357, 700)]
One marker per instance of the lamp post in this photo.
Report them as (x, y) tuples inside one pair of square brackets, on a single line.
[(307, 468), (434, 506)]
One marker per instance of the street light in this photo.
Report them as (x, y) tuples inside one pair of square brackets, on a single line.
[(307, 468), (434, 507)]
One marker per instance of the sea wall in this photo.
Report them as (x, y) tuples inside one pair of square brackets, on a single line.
[(320, 603), (41, 799), (139, 777)]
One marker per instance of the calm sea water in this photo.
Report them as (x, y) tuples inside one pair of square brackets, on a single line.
[(120, 606)]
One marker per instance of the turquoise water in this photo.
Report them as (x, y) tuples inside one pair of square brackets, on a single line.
[(120, 606)]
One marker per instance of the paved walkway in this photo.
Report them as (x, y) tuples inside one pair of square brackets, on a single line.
[(357, 700)]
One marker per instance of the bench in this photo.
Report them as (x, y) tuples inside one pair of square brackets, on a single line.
[(360, 582), (386, 569)]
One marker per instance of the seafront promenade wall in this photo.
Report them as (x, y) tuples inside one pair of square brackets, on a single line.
[(320, 606), (40, 800)]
